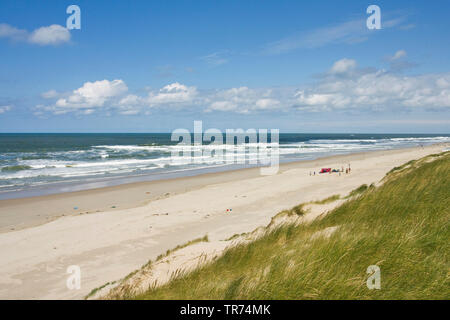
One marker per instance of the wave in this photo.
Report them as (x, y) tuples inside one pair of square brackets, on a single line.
[(105, 161), (15, 168), (343, 140), (422, 139)]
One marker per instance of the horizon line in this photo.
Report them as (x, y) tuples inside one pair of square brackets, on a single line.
[(168, 132)]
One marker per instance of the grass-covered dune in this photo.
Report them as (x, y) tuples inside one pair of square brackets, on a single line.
[(401, 226)]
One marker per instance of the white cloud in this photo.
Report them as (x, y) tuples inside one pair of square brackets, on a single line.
[(96, 93), (84, 99), (131, 100), (3, 109), (174, 93), (344, 87), (242, 100), (112, 95), (88, 111), (50, 35), (129, 112), (266, 103), (343, 66), (223, 106), (7, 31), (398, 63), (398, 55), (377, 89)]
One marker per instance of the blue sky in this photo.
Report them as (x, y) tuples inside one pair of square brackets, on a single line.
[(154, 66)]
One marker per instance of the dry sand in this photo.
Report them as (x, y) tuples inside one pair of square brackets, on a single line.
[(40, 237)]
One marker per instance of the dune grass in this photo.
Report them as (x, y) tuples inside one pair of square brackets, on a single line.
[(327, 200), (148, 264), (401, 226), (361, 189), (191, 242), (95, 290)]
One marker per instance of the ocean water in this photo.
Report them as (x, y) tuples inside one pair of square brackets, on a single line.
[(34, 164)]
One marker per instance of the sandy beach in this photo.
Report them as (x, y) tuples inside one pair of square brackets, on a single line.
[(115, 230)]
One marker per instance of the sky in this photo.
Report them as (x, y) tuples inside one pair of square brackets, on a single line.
[(155, 66)]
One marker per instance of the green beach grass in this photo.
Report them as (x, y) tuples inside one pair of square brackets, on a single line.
[(168, 252), (401, 226)]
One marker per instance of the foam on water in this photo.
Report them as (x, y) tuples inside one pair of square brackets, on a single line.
[(28, 166)]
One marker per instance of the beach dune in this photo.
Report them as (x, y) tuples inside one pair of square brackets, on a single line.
[(116, 230)]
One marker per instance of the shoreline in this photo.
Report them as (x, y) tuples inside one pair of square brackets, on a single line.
[(26, 212), (109, 244), (77, 182)]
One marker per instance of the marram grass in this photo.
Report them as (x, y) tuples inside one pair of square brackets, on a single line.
[(401, 226)]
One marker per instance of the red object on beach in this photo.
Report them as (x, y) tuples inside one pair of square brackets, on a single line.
[(325, 170)]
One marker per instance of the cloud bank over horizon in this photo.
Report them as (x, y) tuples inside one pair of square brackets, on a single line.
[(343, 87)]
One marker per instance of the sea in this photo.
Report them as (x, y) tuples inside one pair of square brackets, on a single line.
[(48, 163)]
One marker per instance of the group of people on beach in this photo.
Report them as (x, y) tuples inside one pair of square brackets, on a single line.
[(329, 170)]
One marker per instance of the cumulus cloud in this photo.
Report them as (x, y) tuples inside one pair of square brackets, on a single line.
[(131, 100), (344, 87), (113, 95), (242, 100), (170, 96), (174, 93), (50, 35), (93, 94), (343, 66), (378, 89), (90, 95), (266, 104)]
